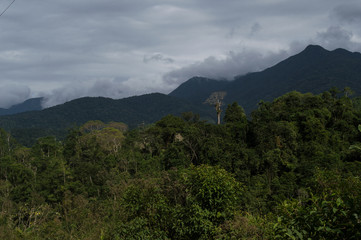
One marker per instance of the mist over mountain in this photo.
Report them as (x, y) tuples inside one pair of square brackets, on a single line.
[(32, 104), (314, 70), (134, 111)]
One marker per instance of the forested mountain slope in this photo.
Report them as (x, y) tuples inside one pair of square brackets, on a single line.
[(132, 111), (313, 70)]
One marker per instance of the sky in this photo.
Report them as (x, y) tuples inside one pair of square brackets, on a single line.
[(66, 49)]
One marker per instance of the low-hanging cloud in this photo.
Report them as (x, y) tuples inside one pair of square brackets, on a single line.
[(251, 60), (12, 94), (105, 88), (336, 37), (115, 88), (234, 64)]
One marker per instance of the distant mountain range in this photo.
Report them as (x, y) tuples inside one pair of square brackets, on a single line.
[(314, 70), (33, 104), (133, 111)]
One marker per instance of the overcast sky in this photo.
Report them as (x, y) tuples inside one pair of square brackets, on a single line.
[(65, 49)]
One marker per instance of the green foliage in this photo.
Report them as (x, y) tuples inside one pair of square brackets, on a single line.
[(211, 197), (287, 173), (332, 213), (133, 111), (214, 189)]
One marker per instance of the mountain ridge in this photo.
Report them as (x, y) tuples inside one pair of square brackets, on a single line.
[(314, 70), (31, 104), (202, 86), (133, 111)]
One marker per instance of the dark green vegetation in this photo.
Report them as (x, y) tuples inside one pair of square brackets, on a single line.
[(290, 171), (28, 126)]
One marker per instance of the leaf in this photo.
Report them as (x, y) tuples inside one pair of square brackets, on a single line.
[(334, 210), (290, 234), (299, 235), (339, 201)]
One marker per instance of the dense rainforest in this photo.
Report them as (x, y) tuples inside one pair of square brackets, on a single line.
[(290, 170)]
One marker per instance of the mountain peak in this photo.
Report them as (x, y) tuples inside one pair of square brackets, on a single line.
[(314, 46), (314, 49), (341, 51)]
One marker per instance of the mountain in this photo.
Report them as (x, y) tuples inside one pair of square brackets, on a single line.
[(133, 111), (33, 104), (314, 70), (198, 89)]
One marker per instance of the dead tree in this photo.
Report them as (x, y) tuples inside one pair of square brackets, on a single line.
[(215, 99)]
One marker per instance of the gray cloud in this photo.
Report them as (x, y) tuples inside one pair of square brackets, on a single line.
[(115, 88), (67, 49), (250, 60), (105, 87), (232, 65), (158, 57), (256, 27), (336, 37), (348, 13), (11, 94)]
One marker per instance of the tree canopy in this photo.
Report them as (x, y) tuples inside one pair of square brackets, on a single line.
[(289, 171)]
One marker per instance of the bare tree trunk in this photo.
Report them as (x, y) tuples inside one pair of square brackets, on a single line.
[(215, 99), (219, 118)]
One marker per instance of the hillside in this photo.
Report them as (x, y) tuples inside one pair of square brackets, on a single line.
[(133, 111), (314, 70)]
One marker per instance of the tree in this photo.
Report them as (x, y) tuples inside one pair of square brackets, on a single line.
[(234, 113), (334, 91), (215, 99), (236, 122), (211, 196), (348, 91), (330, 212), (7, 143)]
